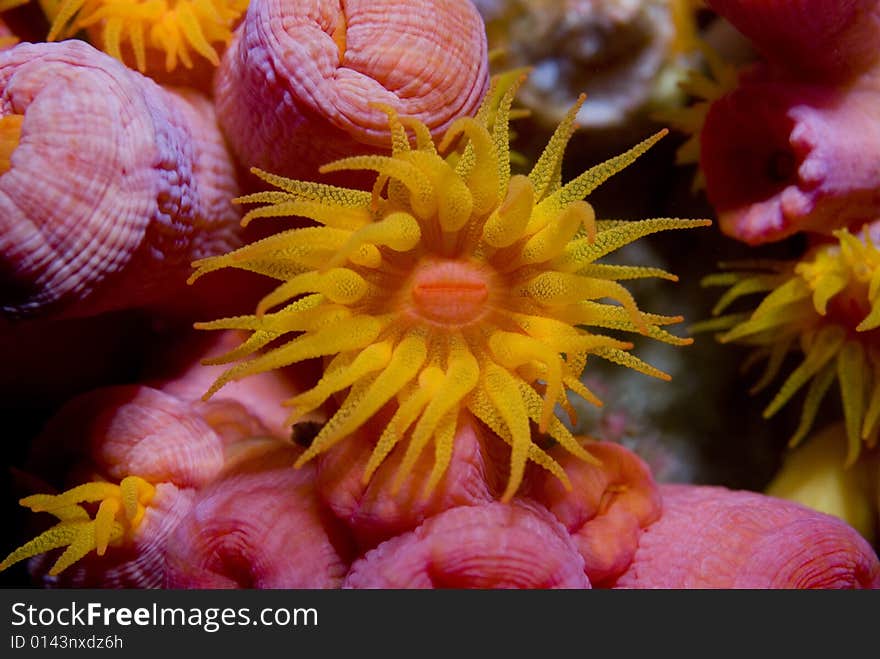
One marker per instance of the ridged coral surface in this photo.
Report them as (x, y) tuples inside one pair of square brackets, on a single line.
[(222, 517), (113, 433), (296, 87), (709, 537), (114, 186), (462, 548)]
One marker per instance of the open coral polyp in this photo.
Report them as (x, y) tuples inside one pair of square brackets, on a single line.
[(826, 306), (452, 286), (119, 514)]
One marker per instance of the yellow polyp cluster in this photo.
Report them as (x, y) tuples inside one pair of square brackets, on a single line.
[(175, 27), (451, 286), (120, 512), (827, 307)]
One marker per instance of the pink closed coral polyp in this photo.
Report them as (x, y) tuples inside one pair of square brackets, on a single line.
[(296, 87), (711, 537), (782, 156), (229, 512), (793, 146), (491, 546), (112, 184)]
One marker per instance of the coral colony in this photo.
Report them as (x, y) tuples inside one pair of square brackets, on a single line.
[(409, 322)]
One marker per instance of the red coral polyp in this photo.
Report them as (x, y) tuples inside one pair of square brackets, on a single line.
[(782, 156)]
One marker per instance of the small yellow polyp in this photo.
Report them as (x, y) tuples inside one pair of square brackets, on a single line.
[(826, 307), (174, 27), (480, 296), (121, 510)]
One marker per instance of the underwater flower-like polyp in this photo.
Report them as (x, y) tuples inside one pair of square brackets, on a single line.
[(120, 512), (827, 307), (175, 27), (452, 286)]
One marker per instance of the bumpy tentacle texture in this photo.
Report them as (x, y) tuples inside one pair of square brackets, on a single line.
[(454, 285), (178, 28), (827, 307), (120, 512)]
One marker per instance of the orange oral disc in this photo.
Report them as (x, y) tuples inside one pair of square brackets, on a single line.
[(450, 292)]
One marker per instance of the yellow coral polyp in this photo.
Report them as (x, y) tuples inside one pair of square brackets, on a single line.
[(825, 307), (175, 27), (120, 511), (451, 286)]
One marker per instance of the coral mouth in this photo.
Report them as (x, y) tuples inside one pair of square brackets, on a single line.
[(450, 292)]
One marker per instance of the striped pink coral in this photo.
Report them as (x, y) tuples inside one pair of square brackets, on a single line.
[(711, 537), (114, 184), (295, 88)]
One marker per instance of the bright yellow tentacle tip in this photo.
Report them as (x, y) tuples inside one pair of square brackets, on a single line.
[(129, 29), (481, 293), (120, 510), (826, 307)]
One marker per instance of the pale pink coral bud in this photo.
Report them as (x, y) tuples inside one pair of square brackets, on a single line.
[(782, 156), (376, 511), (296, 87), (186, 369), (825, 37), (113, 185), (260, 526), (495, 545), (607, 507), (711, 537), (132, 429)]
